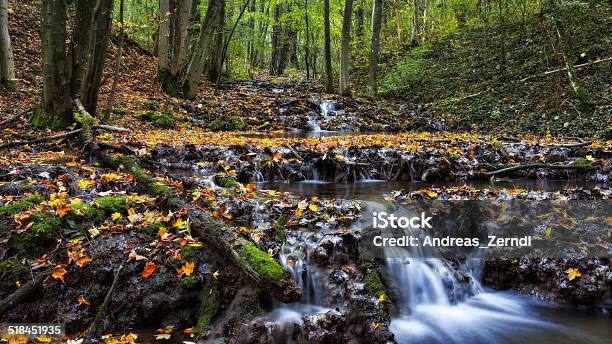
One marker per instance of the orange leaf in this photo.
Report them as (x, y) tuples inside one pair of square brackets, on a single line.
[(148, 270), (82, 261), (186, 269), (58, 273), (82, 301)]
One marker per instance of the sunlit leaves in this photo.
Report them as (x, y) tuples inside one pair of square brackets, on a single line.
[(149, 269), (572, 273)]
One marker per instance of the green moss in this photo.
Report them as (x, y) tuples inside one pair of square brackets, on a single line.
[(279, 227), (209, 307), (189, 252), (231, 123), (111, 204), (61, 121), (11, 267), (17, 206), (227, 182), (169, 83), (89, 214), (40, 236), (159, 119), (263, 264), (373, 285), (582, 163), (190, 281)]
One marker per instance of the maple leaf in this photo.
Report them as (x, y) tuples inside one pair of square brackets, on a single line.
[(115, 216), (62, 210), (572, 273), (590, 158), (313, 207), (149, 268), (85, 183), (186, 269), (83, 301), (381, 298), (58, 273)]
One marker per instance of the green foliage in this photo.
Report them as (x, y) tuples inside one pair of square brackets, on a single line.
[(17, 206), (263, 264), (159, 119), (12, 268), (231, 123), (189, 252), (89, 214), (373, 285)]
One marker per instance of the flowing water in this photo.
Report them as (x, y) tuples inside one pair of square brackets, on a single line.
[(434, 307)]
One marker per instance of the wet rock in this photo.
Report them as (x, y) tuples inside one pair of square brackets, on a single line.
[(325, 328), (368, 320)]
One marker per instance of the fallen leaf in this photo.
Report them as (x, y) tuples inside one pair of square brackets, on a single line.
[(82, 301), (572, 273), (149, 268), (58, 273)]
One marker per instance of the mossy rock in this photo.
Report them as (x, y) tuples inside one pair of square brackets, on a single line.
[(21, 205), (263, 264), (111, 204), (189, 252), (373, 285), (210, 305), (38, 238), (232, 123), (12, 268), (88, 214), (159, 119), (227, 182), (279, 227)]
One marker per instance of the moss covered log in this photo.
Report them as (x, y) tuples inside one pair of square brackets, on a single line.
[(257, 265)]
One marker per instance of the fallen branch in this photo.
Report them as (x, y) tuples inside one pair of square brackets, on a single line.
[(71, 133), (23, 292), (295, 153), (14, 118), (94, 328), (536, 166), (574, 145), (565, 68)]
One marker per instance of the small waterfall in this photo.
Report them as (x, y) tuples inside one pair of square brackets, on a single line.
[(313, 123), (304, 274), (328, 109)]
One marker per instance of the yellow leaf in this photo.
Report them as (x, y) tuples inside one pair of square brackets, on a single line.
[(186, 269), (179, 223), (381, 298), (590, 158), (313, 207), (572, 273), (115, 216), (85, 183)]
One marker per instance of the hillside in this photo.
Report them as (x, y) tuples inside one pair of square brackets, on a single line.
[(458, 76)]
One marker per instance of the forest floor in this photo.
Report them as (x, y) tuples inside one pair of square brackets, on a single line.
[(71, 220)]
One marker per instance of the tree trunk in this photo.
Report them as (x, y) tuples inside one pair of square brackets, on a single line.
[(376, 19), (111, 98), (275, 44), (214, 67), (416, 22), (56, 108), (201, 53), (306, 46), (90, 45), (173, 43), (329, 84), (7, 62), (345, 48), (399, 20)]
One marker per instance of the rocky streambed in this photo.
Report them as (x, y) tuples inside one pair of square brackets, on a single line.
[(294, 226)]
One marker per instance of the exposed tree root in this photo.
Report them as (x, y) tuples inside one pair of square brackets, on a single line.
[(62, 135)]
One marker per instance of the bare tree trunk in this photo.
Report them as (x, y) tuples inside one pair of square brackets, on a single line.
[(345, 48), (399, 20), (111, 98), (56, 108), (214, 67), (201, 53), (275, 44), (307, 45), (7, 61), (227, 42), (416, 22), (376, 20), (329, 84)]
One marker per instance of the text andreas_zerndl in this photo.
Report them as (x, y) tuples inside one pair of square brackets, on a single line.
[(383, 220)]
